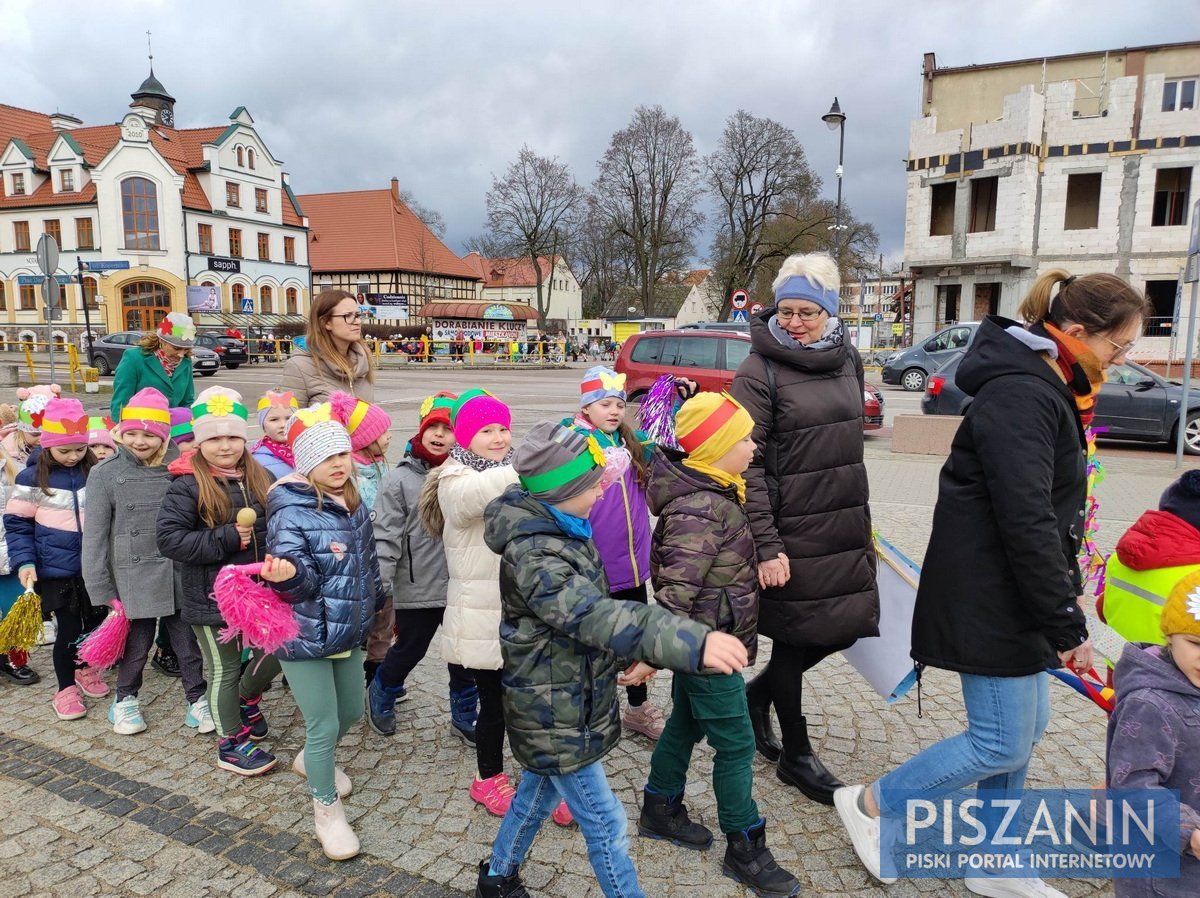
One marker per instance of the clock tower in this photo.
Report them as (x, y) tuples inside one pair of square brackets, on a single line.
[(154, 102)]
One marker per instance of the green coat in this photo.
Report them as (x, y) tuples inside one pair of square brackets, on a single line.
[(562, 636), (140, 369)]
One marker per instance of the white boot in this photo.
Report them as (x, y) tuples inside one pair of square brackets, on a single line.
[(341, 782), (337, 839)]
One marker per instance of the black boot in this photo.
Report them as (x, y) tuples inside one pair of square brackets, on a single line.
[(498, 886), (666, 817), (18, 673), (369, 668), (800, 767), (759, 700), (750, 862)]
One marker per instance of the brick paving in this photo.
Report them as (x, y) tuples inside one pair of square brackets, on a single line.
[(84, 812)]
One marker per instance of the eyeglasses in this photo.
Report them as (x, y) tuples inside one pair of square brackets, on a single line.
[(1121, 348), (806, 315), (349, 317)]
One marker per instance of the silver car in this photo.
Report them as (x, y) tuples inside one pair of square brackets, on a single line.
[(107, 352)]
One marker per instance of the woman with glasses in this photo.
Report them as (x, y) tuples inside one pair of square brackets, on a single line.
[(334, 356), (998, 602), (806, 495)]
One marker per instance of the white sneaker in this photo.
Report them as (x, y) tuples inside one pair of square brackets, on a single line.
[(862, 828), (126, 716), (49, 632), (199, 716), (1009, 887)]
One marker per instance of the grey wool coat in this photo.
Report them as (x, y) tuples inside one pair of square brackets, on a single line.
[(120, 552)]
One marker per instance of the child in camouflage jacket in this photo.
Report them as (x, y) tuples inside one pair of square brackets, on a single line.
[(561, 637)]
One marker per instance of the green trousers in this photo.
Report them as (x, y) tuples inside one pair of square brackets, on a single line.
[(713, 708), (329, 692), (226, 681)]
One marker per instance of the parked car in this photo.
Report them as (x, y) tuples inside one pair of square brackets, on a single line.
[(1134, 404), (708, 357), (231, 350), (742, 326), (107, 352), (910, 368)]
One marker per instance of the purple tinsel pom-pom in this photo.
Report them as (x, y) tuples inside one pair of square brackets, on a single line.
[(658, 412)]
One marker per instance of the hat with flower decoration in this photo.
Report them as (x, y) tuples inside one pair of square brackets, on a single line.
[(33, 406), (276, 399), (219, 412), (1181, 613), (177, 329), (315, 435), (435, 409), (557, 463)]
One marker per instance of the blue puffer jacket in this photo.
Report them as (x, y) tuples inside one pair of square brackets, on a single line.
[(46, 531), (337, 588)]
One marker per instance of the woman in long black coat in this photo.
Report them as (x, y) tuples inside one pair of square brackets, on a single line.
[(806, 495)]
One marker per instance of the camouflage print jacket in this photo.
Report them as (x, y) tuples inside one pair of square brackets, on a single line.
[(562, 635), (702, 558)]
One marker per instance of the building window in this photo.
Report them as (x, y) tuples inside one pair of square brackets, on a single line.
[(235, 242), (264, 300), (983, 204), (1179, 94), (233, 195), (260, 200), (250, 156), (84, 238), (292, 301), (289, 249), (241, 158), (941, 210), (237, 292), (3, 298), (264, 247), (18, 182), (89, 293), (28, 297), (139, 208), (1083, 202), (53, 228), (66, 179), (21, 235), (1171, 189), (204, 235)]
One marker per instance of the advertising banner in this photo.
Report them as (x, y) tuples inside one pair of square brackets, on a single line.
[(474, 329), (203, 299), (385, 306)]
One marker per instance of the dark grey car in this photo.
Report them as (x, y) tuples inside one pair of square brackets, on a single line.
[(1134, 404), (910, 368), (107, 352)]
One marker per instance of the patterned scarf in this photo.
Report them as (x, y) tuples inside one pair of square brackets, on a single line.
[(1079, 367), (169, 365), (281, 451), (478, 462), (834, 334)]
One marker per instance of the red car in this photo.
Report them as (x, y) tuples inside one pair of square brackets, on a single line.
[(710, 358)]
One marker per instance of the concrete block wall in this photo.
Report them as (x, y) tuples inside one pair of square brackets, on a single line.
[(918, 244), (1021, 121), (1016, 198), (1064, 127), (924, 139), (1155, 122), (1053, 239), (1150, 239)]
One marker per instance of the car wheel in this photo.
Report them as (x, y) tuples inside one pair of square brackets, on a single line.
[(913, 380), (207, 373), (102, 365), (232, 367), (1191, 434)]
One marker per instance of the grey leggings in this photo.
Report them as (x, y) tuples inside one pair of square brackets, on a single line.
[(137, 648), (226, 682)]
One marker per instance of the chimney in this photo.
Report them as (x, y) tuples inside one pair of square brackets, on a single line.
[(396, 189), (61, 121)]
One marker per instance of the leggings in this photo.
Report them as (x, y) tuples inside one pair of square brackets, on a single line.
[(75, 619), (137, 648), (489, 728), (784, 676), (329, 693), (415, 629), (227, 685), (635, 694)]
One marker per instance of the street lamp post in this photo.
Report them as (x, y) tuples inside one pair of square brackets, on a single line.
[(835, 119)]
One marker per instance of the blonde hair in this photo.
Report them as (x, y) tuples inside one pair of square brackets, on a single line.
[(819, 268), (8, 467), (1099, 302), (154, 460), (214, 504), (152, 343), (350, 494)]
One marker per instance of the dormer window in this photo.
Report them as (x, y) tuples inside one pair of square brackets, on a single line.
[(241, 158), (250, 157), (66, 179), (18, 184)]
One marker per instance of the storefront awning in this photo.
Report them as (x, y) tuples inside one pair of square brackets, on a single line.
[(245, 322), (479, 311)]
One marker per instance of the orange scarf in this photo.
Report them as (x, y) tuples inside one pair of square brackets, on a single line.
[(1080, 369)]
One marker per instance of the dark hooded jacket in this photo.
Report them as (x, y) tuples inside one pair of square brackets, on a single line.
[(806, 489), (561, 636), (702, 555), (999, 587), (1154, 743)]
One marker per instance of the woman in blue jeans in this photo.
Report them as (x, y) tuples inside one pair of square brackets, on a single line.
[(998, 601)]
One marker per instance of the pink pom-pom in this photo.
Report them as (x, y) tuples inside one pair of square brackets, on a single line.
[(658, 412), (616, 462), (252, 610), (104, 646), (342, 405)]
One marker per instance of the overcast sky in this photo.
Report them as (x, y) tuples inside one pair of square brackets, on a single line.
[(442, 95)]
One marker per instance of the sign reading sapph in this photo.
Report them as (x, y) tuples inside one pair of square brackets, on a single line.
[(490, 331), (225, 266)]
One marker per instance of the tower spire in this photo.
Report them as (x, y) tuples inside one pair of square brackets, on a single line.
[(150, 51)]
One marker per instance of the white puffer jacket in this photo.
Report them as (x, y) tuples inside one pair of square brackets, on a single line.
[(471, 624)]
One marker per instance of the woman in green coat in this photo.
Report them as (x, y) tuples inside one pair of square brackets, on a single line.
[(162, 360)]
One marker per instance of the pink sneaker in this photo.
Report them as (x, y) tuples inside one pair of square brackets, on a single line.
[(562, 815), (645, 719), (68, 704), (494, 793), (90, 682)]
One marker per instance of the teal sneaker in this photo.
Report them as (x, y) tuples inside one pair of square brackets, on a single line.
[(126, 716), (199, 716)]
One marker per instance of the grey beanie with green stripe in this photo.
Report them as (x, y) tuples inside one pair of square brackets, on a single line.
[(556, 463)]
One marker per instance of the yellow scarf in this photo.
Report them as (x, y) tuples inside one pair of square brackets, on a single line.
[(722, 477), (707, 426)]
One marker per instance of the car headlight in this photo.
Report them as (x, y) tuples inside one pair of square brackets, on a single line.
[(891, 358)]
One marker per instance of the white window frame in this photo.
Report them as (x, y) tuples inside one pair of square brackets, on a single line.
[(1179, 82)]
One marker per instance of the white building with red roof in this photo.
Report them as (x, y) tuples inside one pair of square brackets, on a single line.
[(515, 281)]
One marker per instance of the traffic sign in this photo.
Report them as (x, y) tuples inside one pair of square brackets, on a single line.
[(116, 265), (739, 299), (34, 280), (756, 308), (738, 315), (879, 318), (47, 254), (51, 292), (247, 306)]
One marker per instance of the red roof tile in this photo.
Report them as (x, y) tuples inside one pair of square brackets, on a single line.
[(509, 272), (372, 230), (16, 122), (45, 196)]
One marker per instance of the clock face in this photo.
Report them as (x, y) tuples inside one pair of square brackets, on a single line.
[(166, 116)]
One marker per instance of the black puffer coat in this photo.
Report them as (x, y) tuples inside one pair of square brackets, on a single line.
[(806, 490), (1000, 579), (201, 551)]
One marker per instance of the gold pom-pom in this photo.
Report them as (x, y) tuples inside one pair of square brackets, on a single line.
[(21, 628)]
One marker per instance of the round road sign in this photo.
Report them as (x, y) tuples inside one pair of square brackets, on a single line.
[(756, 308), (739, 299)]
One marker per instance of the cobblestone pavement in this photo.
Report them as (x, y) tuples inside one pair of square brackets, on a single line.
[(84, 812)]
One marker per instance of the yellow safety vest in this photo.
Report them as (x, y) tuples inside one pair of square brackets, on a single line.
[(1133, 600)]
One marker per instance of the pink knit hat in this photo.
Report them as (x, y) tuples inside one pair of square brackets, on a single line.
[(364, 422), (100, 431), (475, 410), (147, 410), (65, 423)]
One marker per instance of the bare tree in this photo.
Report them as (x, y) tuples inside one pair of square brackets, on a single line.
[(431, 218), (601, 259), (531, 212), (648, 190)]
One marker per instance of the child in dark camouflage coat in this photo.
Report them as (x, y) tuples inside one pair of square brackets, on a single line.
[(702, 565), (561, 637)]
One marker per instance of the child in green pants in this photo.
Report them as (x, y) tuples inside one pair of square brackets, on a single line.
[(702, 566)]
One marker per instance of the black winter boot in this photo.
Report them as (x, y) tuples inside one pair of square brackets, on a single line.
[(369, 668), (666, 817), (498, 886), (800, 767), (750, 862), (759, 699)]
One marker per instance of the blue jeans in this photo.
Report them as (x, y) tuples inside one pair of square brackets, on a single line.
[(601, 818), (1006, 716)]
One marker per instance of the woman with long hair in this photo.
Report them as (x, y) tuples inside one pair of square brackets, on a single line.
[(334, 356)]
